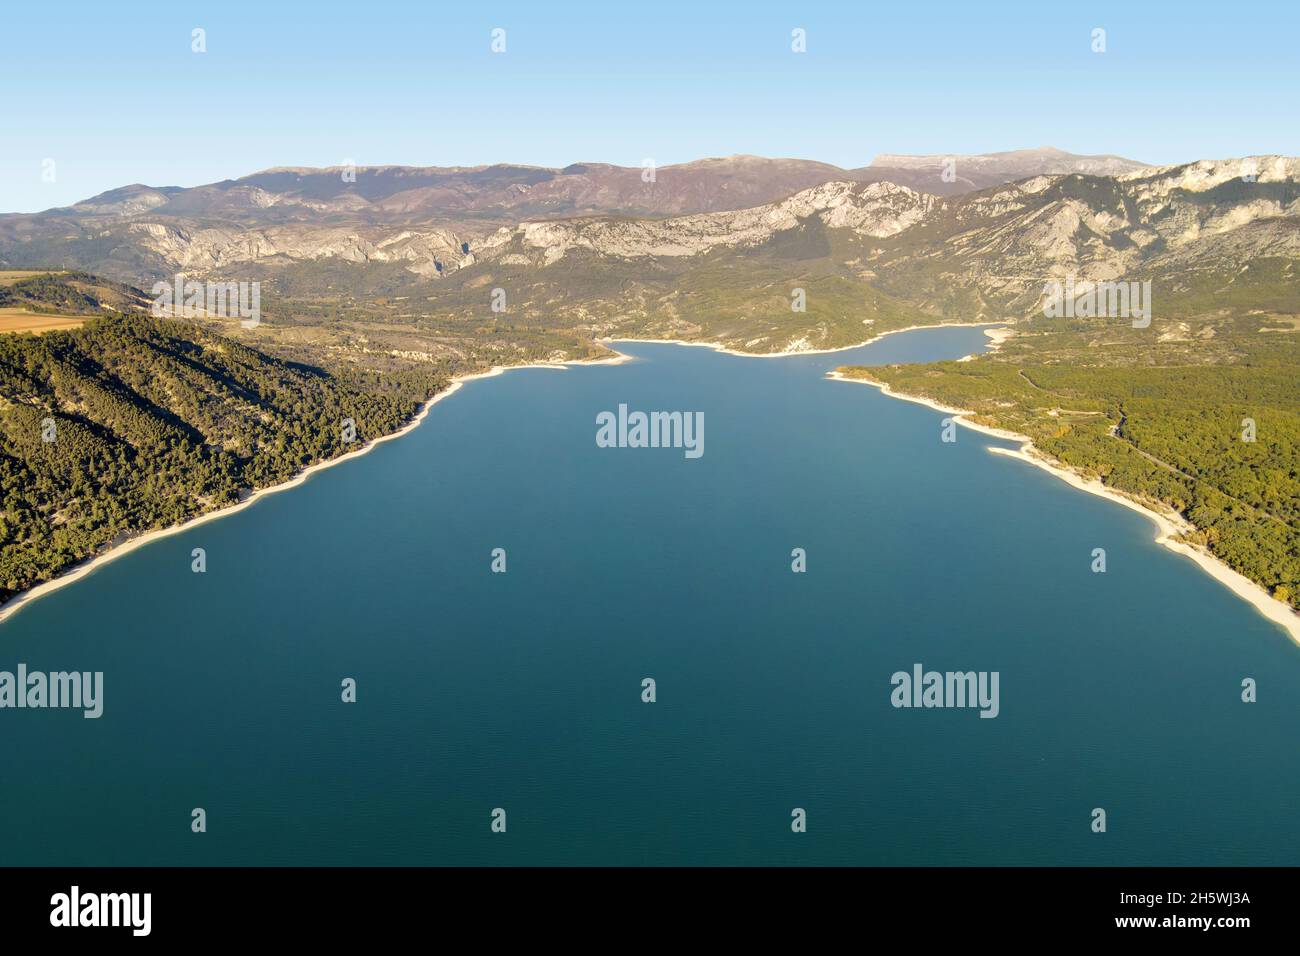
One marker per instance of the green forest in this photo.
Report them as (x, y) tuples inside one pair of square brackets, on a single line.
[(1165, 420), (131, 423)]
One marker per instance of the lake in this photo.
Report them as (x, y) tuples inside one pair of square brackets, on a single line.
[(523, 690)]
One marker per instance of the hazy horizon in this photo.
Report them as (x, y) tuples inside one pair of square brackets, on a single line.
[(243, 174), (127, 100)]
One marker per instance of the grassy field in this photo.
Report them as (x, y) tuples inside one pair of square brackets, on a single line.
[(21, 320), (54, 300)]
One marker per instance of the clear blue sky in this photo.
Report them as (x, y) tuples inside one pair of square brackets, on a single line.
[(113, 94)]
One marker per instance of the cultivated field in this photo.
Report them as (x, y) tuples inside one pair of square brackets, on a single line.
[(21, 320)]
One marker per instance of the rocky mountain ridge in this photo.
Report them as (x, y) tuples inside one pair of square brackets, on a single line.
[(1000, 243)]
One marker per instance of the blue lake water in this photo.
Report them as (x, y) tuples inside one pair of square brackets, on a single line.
[(523, 690)]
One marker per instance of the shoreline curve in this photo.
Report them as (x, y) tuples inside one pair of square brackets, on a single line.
[(89, 565), (1169, 524)]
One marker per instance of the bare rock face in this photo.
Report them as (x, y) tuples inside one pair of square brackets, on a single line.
[(1044, 226), (1161, 222), (207, 250), (127, 201), (1016, 164), (1158, 181), (876, 209), (1004, 240)]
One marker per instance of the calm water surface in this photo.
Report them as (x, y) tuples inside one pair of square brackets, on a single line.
[(523, 690)]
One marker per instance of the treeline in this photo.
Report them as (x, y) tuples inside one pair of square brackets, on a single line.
[(130, 424)]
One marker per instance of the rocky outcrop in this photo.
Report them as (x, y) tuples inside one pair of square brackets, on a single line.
[(1005, 240)]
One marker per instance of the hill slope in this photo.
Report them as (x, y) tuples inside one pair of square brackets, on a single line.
[(130, 424)]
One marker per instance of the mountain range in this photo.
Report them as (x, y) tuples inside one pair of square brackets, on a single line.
[(428, 217), (909, 232), (401, 277), (408, 194)]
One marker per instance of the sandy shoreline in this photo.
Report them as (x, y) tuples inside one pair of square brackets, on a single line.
[(720, 347), (1168, 523), (996, 338), (75, 573), (78, 571)]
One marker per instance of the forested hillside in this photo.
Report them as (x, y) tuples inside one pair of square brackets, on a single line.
[(1167, 421), (132, 423), (76, 293)]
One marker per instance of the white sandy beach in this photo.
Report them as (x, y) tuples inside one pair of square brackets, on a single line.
[(996, 338), (725, 350), (1169, 525), (75, 573), (19, 601)]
